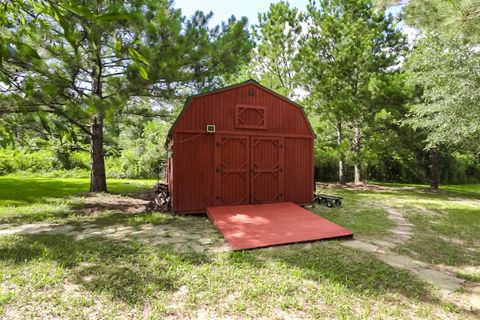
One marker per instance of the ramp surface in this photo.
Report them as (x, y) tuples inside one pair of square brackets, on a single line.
[(263, 225)]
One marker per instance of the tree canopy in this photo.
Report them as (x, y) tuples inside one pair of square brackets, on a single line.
[(447, 76), (349, 55), (93, 61), (86, 83)]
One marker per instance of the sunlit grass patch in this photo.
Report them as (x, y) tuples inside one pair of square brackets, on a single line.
[(30, 199), (56, 275), (432, 249), (17, 190), (359, 217), (326, 280), (475, 277)]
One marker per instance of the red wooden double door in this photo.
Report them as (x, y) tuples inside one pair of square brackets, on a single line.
[(248, 169)]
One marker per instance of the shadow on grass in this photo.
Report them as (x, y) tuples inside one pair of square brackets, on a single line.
[(432, 249), (357, 270), (130, 271), (137, 273), (28, 190), (105, 219), (54, 200), (408, 193), (51, 214), (127, 271)]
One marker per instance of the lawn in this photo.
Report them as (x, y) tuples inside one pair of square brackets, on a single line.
[(57, 276), (31, 199), (446, 223)]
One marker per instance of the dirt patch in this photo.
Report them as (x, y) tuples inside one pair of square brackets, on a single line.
[(132, 204), (426, 212), (474, 202), (366, 187)]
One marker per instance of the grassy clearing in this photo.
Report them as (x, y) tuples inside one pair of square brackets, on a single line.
[(54, 275), (447, 226), (465, 190), (446, 223), (108, 279), (30, 199), (357, 214)]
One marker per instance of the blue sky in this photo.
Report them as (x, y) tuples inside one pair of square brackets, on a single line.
[(223, 9)]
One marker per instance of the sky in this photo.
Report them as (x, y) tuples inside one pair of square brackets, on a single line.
[(223, 9)]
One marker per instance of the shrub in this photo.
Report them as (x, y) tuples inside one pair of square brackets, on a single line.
[(13, 160)]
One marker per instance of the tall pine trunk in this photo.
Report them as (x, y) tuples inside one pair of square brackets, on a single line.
[(357, 148), (434, 171), (98, 180), (341, 160)]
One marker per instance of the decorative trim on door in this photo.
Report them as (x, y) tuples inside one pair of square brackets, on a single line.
[(250, 117), (271, 169), (232, 178)]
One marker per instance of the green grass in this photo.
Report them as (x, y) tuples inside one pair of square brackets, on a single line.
[(466, 190), (21, 191), (55, 276), (326, 280), (357, 214), (30, 199), (435, 250), (446, 223), (468, 276)]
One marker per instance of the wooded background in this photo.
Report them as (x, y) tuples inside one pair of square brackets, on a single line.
[(90, 88)]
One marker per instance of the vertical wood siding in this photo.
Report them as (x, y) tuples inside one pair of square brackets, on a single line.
[(193, 172), (219, 108), (192, 169), (299, 170)]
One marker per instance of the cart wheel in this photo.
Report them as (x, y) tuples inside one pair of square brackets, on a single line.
[(316, 200), (338, 202), (323, 201), (330, 204)]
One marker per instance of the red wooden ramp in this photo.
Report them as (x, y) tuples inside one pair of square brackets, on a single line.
[(263, 225)]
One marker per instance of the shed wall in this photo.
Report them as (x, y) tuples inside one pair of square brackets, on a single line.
[(219, 109), (193, 178), (299, 170), (193, 157)]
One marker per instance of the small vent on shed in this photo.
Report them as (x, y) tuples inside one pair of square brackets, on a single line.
[(251, 92)]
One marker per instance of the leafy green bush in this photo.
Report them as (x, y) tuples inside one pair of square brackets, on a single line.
[(141, 154), (49, 162), (13, 160), (460, 168)]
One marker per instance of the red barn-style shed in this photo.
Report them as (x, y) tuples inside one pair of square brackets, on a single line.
[(242, 144)]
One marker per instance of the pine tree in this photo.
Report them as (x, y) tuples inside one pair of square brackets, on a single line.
[(349, 53), (84, 61)]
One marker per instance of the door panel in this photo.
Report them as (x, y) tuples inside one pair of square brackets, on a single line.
[(266, 169), (232, 181)]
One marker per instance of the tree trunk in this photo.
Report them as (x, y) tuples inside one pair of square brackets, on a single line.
[(341, 160), (357, 148), (98, 180), (434, 171)]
